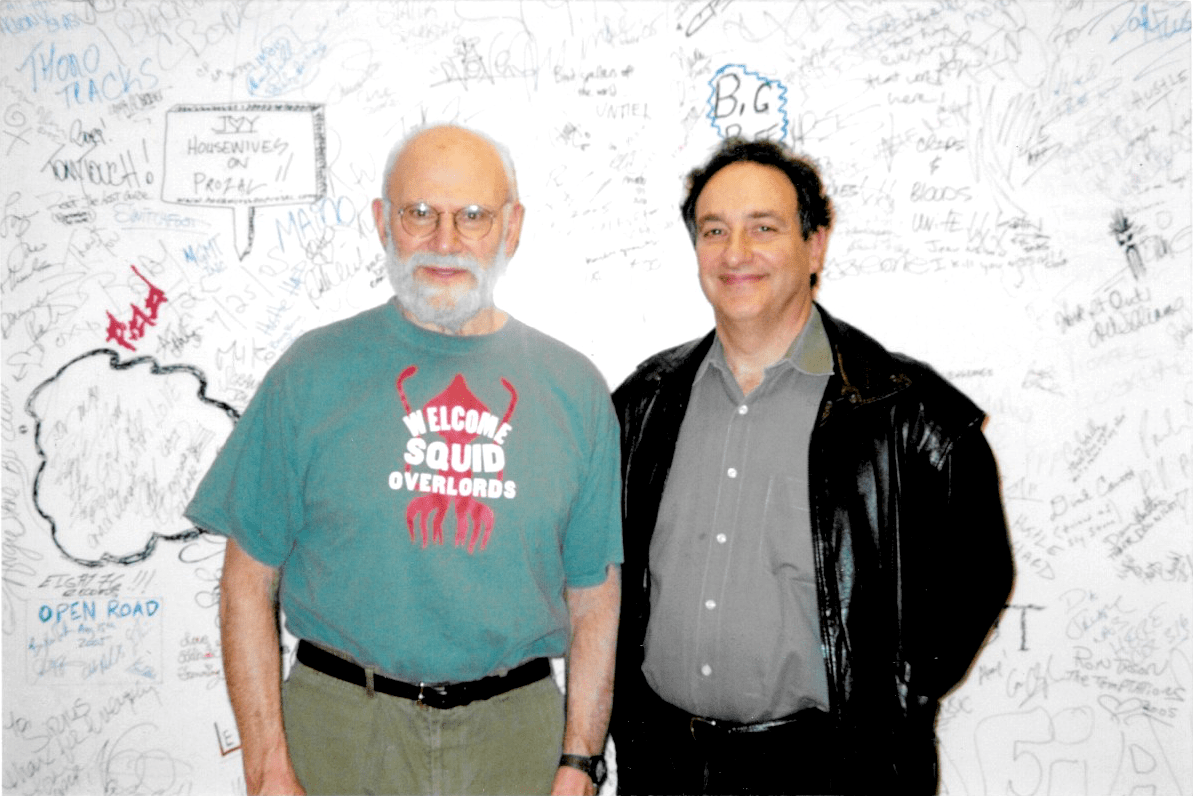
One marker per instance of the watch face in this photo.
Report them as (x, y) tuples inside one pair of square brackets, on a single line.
[(599, 771)]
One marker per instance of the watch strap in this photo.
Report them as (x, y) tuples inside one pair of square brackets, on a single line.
[(592, 765)]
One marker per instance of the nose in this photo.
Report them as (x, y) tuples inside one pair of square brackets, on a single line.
[(737, 248), (446, 239)]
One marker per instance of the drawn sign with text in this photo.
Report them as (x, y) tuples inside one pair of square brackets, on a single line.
[(244, 156)]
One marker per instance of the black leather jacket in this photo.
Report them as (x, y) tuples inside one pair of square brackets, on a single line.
[(913, 564)]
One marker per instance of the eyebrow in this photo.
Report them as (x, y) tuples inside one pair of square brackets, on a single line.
[(753, 215)]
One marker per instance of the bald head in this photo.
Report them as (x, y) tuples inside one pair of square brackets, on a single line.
[(439, 143)]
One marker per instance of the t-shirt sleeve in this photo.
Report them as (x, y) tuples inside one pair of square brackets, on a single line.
[(592, 539), (252, 492)]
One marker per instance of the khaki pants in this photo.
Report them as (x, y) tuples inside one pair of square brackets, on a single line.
[(343, 741)]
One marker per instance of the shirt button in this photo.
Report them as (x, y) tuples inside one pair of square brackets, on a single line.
[(741, 410), (706, 670), (710, 604), (732, 473), (722, 538)]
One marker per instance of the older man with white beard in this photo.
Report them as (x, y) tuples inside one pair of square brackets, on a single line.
[(430, 491), (431, 282)]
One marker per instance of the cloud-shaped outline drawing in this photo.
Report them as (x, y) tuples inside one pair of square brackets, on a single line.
[(713, 92), (115, 363)]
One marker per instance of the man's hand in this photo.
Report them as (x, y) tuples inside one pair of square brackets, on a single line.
[(572, 782)]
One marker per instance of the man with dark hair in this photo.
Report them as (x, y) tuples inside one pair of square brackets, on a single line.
[(815, 545), (815, 209), (429, 490)]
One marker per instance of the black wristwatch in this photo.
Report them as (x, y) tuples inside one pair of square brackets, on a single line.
[(593, 766)]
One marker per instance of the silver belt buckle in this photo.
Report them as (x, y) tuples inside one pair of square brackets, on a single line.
[(694, 720)]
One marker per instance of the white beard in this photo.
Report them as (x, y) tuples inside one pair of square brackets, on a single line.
[(428, 304)]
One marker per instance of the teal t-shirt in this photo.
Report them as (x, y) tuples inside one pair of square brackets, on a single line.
[(427, 497)]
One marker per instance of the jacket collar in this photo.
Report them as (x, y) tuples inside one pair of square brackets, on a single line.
[(682, 361), (865, 371)]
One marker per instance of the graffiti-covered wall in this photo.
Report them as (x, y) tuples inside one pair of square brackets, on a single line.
[(186, 190)]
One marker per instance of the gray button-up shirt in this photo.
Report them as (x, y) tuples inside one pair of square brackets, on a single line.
[(734, 630)]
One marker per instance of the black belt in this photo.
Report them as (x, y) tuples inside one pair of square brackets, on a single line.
[(435, 695), (809, 718)]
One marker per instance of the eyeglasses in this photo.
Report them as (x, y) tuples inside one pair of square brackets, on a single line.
[(420, 220)]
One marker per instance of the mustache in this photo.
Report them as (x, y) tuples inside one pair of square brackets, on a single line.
[(432, 260)]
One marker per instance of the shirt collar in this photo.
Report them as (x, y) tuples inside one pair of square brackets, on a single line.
[(809, 352)]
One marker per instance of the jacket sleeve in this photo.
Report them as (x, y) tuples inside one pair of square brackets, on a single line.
[(961, 569)]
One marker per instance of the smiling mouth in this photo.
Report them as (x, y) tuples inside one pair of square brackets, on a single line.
[(440, 272), (740, 279)]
